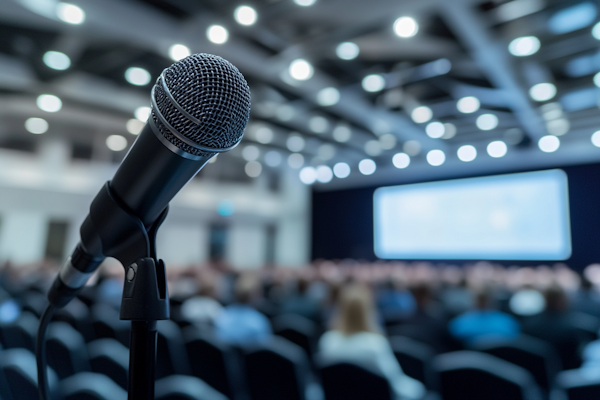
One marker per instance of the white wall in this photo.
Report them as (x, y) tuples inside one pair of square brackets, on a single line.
[(37, 189)]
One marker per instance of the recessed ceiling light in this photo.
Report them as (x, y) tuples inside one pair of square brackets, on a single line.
[(250, 153), (273, 158), (179, 52), (549, 143), (342, 133), (137, 76), (328, 96), (305, 3), (487, 122), (542, 91), (295, 143), (253, 169), (524, 46), (324, 174), (401, 160), (36, 126), (70, 13), (49, 103), (308, 175), (142, 113), (406, 27), (468, 104), (341, 170), (134, 126), (373, 83), (245, 15), (57, 60), (436, 157), (596, 138), (367, 166), (497, 149), (217, 34), (295, 160), (435, 130), (116, 142), (421, 114), (466, 153), (301, 70), (347, 50)]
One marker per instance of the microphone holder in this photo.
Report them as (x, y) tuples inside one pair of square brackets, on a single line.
[(145, 297)]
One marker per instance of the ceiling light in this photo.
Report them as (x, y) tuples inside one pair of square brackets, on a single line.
[(412, 148), (466, 153), (347, 50), (596, 31), (401, 160), (421, 114), (549, 144), (250, 153), (70, 13), (436, 157), (373, 83), (179, 52), (558, 127), (295, 160), (49, 103), (326, 152), (57, 60), (245, 15), (367, 166), (295, 143), (36, 126), (542, 91), (318, 124), (497, 149), (142, 113), (308, 175), (524, 46), (551, 111), (217, 34), (301, 70), (596, 138), (253, 169), (435, 130), (137, 76), (468, 104), (135, 126), (341, 170), (487, 122), (263, 135), (342, 133), (449, 131), (305, 3), (324, 174), (273, 158), (387, 141), (373, 148), (328, 96), (597, 79), (406, 27), (116, 142)]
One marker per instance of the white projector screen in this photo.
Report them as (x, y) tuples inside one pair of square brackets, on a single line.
[(507, 217)]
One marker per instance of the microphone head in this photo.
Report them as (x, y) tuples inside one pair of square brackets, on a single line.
[(201, 105)]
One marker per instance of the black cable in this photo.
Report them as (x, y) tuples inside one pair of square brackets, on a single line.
[(40, 353)]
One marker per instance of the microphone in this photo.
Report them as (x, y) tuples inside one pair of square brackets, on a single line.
[(200, 107)]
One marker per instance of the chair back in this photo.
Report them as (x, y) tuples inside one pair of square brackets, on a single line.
[(579, 384), (171, 356), (415, 358), (180, 387), (297, 329), (67, 353), (348, 381), (110, 358), (91, 386)]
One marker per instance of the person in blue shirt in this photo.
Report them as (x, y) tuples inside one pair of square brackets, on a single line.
[(239, 324), (483, 323)]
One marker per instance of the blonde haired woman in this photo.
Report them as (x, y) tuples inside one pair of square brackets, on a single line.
[(355, 338)]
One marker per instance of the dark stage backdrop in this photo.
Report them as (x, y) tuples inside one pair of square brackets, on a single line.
[(342, 222)]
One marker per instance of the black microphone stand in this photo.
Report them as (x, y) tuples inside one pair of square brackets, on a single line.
[(145, 298)]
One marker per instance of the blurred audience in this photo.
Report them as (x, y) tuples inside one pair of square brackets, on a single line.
[(239, 323), (203, 309), (357, 339)]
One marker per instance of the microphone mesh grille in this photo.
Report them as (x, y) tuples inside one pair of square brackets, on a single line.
[(213, 91)]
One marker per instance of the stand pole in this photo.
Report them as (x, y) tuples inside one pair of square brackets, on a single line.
[(142, 360)]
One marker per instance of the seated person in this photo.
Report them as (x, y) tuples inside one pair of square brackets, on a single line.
[(203, 309), (483, 323), (239, 323), (355, 339)]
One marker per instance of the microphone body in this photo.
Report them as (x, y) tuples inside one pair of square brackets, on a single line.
[(167, 154)]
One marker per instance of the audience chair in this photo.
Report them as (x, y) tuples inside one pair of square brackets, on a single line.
[(535, 355), (466, 375), (106, 324), (180, 387), (577, 384), (348, 381), (277, 370), (110, 358), (34, 302), (77, 314), (171, 356), (216, 363), (67, 354), (19, 368), (415, 359), (21, 333), (298, 330), (91, 386), (4, 389)]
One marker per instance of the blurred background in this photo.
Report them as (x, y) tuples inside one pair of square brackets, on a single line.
[(412, 213)]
